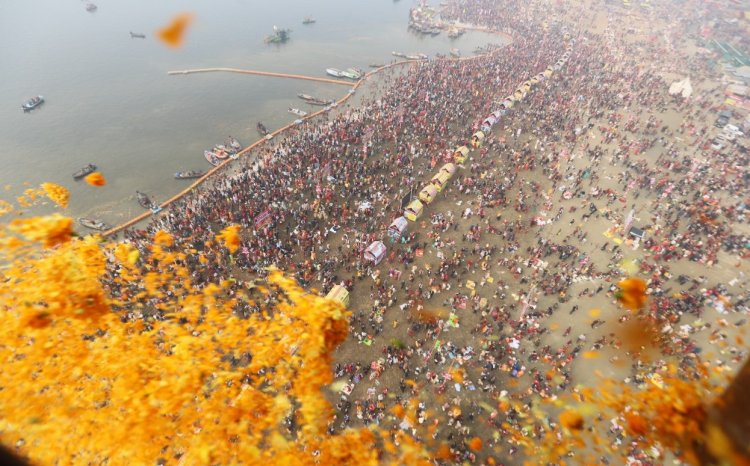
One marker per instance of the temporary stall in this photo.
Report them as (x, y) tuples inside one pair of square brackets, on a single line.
[(397, 228), (440, 180), (461, 154), (414, 210), (375, 252), (518, 95), (428, 194), (497, 114), (489, 121), (548, 72), (339, 294), (448, 168), (540, 77), (526, 86), (508, 103), (477, 139)]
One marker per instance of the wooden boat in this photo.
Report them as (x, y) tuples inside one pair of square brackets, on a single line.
[(376, 65), (211, 157), (90, 7), (308, 20), (87, 170), (262, 129), (355, 72), (336, 73), (398, 54), (32, 103), (314, 100), (220, 152), (136, 35), (188, 175), (351, 74), (234, 144), (143, 200), (297, 112), (94, 224)]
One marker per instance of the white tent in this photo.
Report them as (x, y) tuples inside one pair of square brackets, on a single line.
[(683, 88), (375, 252)]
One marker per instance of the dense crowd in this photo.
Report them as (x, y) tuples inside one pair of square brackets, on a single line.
[(461, 310)]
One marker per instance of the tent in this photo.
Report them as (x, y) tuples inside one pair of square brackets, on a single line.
[(548, 72), (448, 168), (518, 95), (489, 121), (497, 114), (460, 154), (428, 194), (440, 180), (375, 252), (414, 210), (397, 228), (508, 103), (477, 139), (535, 80), (339, 294)]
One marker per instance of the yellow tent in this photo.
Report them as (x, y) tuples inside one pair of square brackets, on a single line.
[(440, 180), (414, 210), (448, 168), (428, 194), (477, 139), (339, 294), (461, 154)]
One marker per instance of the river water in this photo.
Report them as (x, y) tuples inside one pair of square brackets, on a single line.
[(109, 100)]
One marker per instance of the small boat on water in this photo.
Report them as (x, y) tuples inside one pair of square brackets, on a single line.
[(336, 73), (90, 7), (234, 144), (376, 65), (94, 224), (32, 103), (297, 112), (279, 36), (220, 152), (211, 157), (188, 175), (398, 54), (351, 74), (137, 35), (87, 170), (262, 129), (314, 100), (143, 200), (308, 20)]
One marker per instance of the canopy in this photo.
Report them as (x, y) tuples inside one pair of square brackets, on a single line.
[(375, 252), (477, 138), (397, 228), (448, 168), (339, 294), (440, 180), (460, 154), (413, 210), (540, 77), (490, 120), (497, 114), (526, 85), (518, 94), (548, 72), (508, 103), (428, 193), (535, 79)]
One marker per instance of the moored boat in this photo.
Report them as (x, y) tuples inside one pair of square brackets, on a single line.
[(297, 112), (137, 35), (90, 7), (398, 54), (334, 72), (32, 103), (376, 65), (87, 170), (351, 74), (211, 157), (234, 144), (279, 36), (262, 129), (190, 174), (314, 100), (308, 20), (94, 224), (220, 152), (143, 200)]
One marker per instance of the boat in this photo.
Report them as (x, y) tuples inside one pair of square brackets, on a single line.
[(87, 170), (211, 157), (279, 36), (234, 144), (355, 71), (334, 72), (220, 152), (94, 224), (398, 54), (413, 57), (190, 174), (455, 53), (262, 129), (376, 65), (351, 74), (308, 20), (297, 112), (32, 103), (314, 100), (143, 200), (90, 7), (137, 35)]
